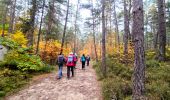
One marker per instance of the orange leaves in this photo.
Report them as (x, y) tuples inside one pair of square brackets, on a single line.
[(50, 49), (88, 48)]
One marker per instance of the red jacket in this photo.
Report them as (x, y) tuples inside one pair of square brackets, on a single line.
[(70, 60)]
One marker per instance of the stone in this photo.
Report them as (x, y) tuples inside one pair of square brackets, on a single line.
[(3, 51)]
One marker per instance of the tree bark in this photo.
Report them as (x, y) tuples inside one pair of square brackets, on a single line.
[(12, 17), (161, 30), (4, 22), (39, 33), (103, 40), (4, 19), (126, 28), (30, 34), (75, 38), (65, 27), (155, 39), (116, 25), (110, 15), (129, 19), (94, 35), (138, 39), (50, 17), (147, 37)]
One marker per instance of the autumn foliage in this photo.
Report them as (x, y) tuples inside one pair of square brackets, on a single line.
[(50, 49)]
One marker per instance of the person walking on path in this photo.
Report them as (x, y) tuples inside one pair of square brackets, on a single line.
[(76, 60), (60, 62), (70, 63), (88, 60), (83, 61)]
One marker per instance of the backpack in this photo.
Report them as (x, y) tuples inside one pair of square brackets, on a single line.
[(88, 58), (70, 59), (60, 59), (83, 59)]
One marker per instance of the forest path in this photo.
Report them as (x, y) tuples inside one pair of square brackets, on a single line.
[(83, 86)]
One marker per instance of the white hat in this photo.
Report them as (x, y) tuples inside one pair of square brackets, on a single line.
[(71, 53)]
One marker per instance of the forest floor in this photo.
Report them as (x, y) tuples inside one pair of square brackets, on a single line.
[(83, 86)]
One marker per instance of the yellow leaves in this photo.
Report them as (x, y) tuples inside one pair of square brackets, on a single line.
[(88, 48), (50, 49), (84, 51), (5, 32), (20, 38)]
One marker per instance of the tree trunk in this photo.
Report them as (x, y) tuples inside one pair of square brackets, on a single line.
[(161, 30), (94, 35), (30, 34), (129, 19), (116, 25), (168, 24), (94, 42), (12, 17), (126, 29), (75, 38), (39, 33), (103, 40), (110, 15), (147, 36), (50, 17), (4, 22), (138, 39), (155, 38), (65, 27)]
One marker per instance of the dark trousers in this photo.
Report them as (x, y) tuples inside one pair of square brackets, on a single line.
[(70, 68), (88, 63), (83, 64)]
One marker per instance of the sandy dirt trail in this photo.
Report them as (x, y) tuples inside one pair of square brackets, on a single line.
[(83, 86)]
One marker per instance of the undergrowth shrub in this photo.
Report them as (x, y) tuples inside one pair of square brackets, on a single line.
[(19, 58), (117, 84), (116, 88), (158, 82), (152, 63), (150, 55), (19, 66), (11, 80), (168, 53)]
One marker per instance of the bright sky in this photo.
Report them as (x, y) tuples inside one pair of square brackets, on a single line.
[(84, 13)]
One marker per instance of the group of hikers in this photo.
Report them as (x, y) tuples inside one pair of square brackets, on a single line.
[(70, 61)]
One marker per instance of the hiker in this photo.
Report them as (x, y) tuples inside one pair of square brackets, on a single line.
[(88, 60), (76, 60), (83, 61), (70, 63), (60, 61)]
